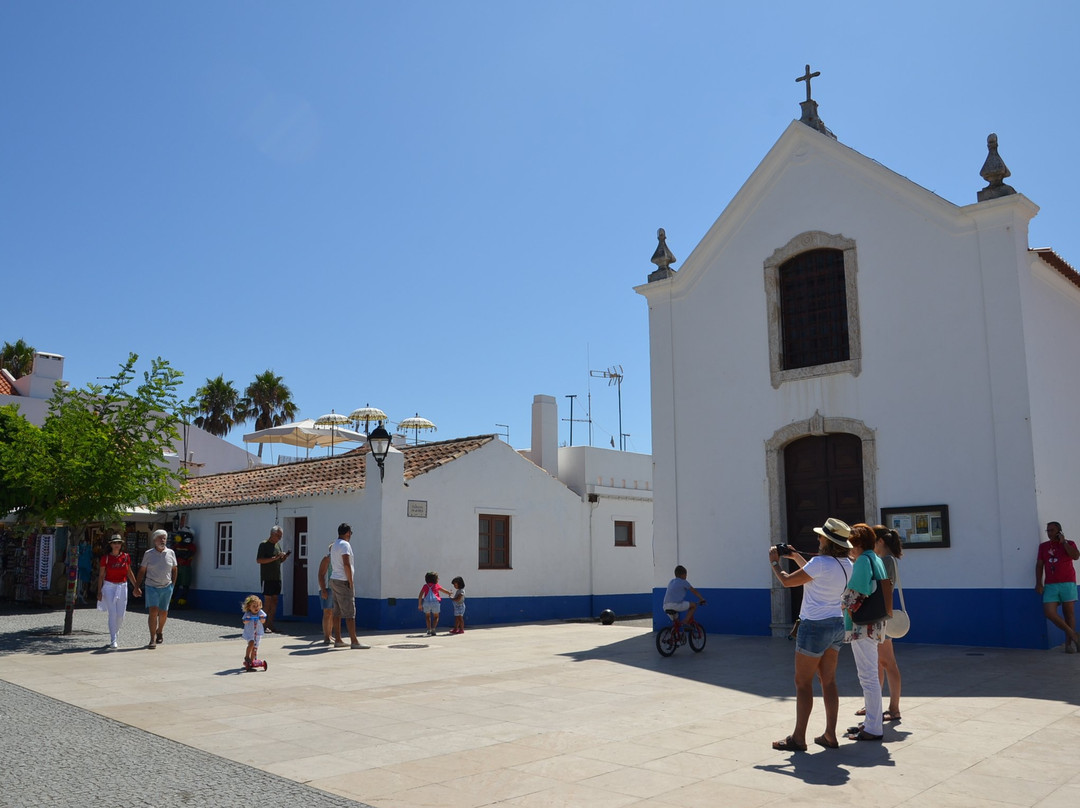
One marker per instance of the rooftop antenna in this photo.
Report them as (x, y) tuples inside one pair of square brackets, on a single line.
[(506, 433), (614, 375), (574, 420)]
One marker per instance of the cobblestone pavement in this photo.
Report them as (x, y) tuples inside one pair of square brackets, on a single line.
[(30, 630), (57, 755)]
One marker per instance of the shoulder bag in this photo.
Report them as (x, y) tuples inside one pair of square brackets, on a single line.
[(871, 607)]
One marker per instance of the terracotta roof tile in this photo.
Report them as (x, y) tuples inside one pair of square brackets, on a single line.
[(1058, 263), (310, 478), (5, 386), (422, 459)]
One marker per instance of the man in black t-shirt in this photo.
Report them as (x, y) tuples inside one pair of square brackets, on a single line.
[(269, 559)]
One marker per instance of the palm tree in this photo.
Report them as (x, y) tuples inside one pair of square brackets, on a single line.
[(17, 358), (269, 402), (219, 406)]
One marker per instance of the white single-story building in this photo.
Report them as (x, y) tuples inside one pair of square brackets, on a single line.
[(541, 534), (862, 348)]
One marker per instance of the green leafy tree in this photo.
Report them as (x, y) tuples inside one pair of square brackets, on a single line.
[(17, 358), (98, 454), (269, 402), (20, 447), (219, 407)]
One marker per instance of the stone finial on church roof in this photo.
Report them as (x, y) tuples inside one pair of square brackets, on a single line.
[(994, 171), (809, 106), (663, 258)]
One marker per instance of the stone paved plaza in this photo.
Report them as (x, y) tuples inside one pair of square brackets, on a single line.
[(554, 714)]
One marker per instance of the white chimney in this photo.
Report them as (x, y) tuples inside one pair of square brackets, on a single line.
[(48, 370), (545, 434)]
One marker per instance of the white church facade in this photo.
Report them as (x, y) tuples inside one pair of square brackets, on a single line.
[(865, 349)]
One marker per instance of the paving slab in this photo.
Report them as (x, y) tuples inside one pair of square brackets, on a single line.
[(551, 714)]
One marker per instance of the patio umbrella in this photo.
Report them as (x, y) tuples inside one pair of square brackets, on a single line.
[(334, 421), (367, 414), (416, 423), (303, 434)]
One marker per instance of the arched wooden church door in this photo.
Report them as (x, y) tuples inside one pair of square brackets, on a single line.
[(823, 477)]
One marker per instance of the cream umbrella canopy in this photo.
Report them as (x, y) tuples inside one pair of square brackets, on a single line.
[(416, 423), (304, 434), (333, 420), (367, 414)]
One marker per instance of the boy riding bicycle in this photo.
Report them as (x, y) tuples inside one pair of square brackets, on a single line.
[(676, 598)]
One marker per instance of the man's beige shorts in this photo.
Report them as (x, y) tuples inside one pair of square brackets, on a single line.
[(344, 601)]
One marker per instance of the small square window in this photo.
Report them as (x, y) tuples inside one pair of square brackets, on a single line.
[(624, 534)]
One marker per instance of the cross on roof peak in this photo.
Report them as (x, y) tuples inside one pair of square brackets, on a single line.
[(806, 77)]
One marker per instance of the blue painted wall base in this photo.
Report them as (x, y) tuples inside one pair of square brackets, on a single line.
[(1001, 618), (379, 615)]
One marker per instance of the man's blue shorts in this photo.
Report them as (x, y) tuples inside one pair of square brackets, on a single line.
[(818, 636), (158, 597), (1064, 592)]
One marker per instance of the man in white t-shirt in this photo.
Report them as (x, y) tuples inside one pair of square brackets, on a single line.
[(341, 584)]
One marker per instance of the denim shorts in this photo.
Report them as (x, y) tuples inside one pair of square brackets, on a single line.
[(327, 602), (1064, 592), (158, 597), (818, 636)]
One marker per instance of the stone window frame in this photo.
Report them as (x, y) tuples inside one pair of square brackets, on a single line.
[(812, 240)]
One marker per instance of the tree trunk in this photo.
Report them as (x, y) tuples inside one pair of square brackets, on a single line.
[(71, 569)]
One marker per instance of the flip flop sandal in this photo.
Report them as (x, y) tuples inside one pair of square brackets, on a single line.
[(853, 730), (863, 735), (788, 745), (821, 740), (889, 715), (861, 711)]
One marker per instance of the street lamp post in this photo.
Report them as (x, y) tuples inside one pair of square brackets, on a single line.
[(379, 443)]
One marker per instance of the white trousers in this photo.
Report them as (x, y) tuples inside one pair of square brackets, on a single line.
[(114, 601), (865, 651)]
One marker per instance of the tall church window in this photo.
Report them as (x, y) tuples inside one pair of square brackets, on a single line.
[(813, 308)]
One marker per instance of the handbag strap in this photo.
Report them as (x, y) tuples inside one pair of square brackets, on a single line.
[(899, 588), (841, 563)]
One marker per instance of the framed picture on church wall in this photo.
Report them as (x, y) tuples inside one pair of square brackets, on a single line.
[(919, 525)]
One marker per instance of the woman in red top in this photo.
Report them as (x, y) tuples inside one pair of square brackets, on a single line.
[(112, 593)]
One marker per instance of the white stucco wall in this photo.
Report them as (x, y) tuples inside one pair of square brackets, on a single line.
[(546, 556), (1052, 324), (208, 453), (622, 485), (34, 410)]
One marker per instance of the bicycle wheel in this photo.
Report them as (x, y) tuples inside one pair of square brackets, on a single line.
[(665, 641), (697, 637)]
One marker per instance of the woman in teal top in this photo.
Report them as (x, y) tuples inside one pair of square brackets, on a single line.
[(867, 574)]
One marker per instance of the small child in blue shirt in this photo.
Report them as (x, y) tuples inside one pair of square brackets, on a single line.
[(254, 618), (677, 599)]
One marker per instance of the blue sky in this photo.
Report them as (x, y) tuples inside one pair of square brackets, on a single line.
[(443, 208)]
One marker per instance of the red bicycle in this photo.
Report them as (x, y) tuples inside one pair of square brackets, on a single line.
[(691, 633)]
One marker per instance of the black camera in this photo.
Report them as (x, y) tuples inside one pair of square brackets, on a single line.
[(783, 549)]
